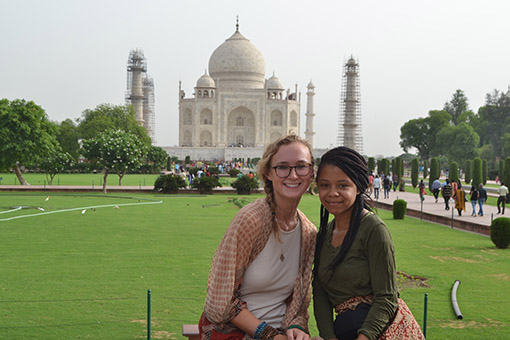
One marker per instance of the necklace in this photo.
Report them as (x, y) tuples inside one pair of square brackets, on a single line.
[(282, 256)]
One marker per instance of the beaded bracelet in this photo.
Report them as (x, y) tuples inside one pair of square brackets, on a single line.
[(259, 329)]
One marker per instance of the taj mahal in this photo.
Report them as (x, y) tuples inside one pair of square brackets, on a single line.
[(235, 112)]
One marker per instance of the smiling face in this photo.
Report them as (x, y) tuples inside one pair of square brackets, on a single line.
[(293, 186), (337, 191)]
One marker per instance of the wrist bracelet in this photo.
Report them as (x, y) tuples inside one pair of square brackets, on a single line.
[(259, 329), (298, 327)]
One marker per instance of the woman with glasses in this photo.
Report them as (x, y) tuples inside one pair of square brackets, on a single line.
[(354, 269), (260, 280)]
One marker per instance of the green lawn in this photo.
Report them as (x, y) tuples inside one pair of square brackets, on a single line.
[(74, 275), (90, 179)]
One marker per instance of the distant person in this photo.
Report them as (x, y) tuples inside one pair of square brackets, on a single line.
[(436, 186), (395, 183), (447, 194), (460, 198), (502, 192), (377, 186), (387, 186), (482, 198), (421, 188), (473, 197), (371, 183)]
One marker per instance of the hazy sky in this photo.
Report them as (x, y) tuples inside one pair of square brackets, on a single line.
[(69, 55)]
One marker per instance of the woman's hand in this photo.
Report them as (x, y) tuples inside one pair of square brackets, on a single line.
[(296, 334)]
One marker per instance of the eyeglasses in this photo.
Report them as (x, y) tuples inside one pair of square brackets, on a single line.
[(283, 171)]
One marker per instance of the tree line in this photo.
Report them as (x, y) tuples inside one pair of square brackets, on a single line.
[(457, 134), (107, 138)]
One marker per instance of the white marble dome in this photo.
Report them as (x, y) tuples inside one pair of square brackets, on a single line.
[(237, 63), (274, 83), (206, 81)]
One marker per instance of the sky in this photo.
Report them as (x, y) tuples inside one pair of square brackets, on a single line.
[(71, 55)]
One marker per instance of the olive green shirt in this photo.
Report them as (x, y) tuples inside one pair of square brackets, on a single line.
[(368, 269)]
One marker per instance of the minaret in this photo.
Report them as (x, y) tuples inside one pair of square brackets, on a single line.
[(136, 66), (350, 119), (310, 133)]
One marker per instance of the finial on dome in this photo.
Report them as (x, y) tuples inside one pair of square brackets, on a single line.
[(237, 23)]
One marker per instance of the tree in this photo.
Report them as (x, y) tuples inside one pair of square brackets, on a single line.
[(421, 133), (434, 171), (115, 151), (459, 143), (56, 162), (68, 137), (477, 172), (156, 157), (454, 172), (371, 164), (385, 163), (27, 136), (457, 106), (468, 170), (111, 117), (485, 171), (414, 172)]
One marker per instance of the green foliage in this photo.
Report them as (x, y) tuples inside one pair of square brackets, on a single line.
[(421, 133), (425, 168), (240, 202), (399, 209), (27, 136), (398, 167), (169, 184), (244, 185), (501, 172), (57, 161), (234, 172), (67, 136), (213, 170), (187, 160), (415, 169), (453, 174), (500, 232), (371, 164), (111, 117), (457, 106), (477, 172), (506, 173), (459, 142), (468, 171), (435, 172), (385, 164), (485, 171), (114, 151), (206, 184), (155, 159)]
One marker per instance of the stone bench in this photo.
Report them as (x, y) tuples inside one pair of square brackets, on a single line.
[(190, 331)]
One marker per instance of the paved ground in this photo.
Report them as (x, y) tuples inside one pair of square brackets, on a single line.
[(429, 206)]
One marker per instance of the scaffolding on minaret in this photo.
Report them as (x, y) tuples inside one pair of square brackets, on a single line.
[(349, 116), (140, 92)]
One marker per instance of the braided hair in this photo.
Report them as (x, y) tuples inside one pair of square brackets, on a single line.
[(354, 166), (264, 167)]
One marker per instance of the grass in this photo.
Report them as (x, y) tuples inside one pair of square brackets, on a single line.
[(85, 276), (90, 179)]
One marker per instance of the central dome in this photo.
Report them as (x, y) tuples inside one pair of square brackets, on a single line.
[(237, 63)]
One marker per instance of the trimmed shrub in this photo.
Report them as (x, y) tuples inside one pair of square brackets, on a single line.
[(399, 209), (169, 184), (485, 171), (435, 172), (234, 172), (500, 232), (415, 172), (205, 185), (425, 168), (371, 164), (468, 171), (454, 172), (244, 185), (477, 172)]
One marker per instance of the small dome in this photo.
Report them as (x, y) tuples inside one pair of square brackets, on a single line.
[(238, 63), (206, 81), (274, 83)]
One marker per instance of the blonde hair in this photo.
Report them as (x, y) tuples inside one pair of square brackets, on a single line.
[(264, 167)]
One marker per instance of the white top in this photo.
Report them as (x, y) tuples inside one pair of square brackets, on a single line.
[(269, 281)]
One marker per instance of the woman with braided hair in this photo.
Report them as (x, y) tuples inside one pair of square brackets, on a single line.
[(354, 269), (260, 280)]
